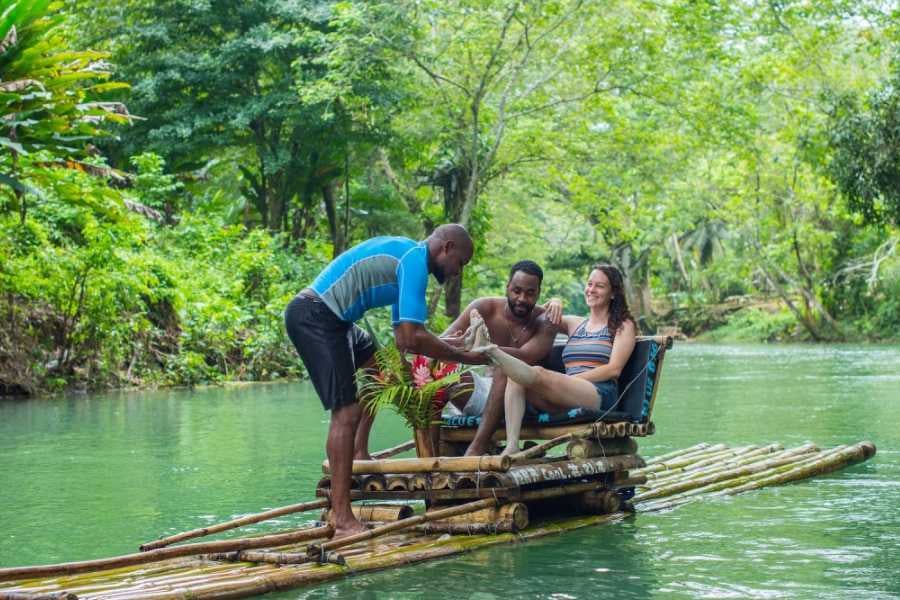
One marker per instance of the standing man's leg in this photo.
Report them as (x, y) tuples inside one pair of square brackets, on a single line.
[(363, 358), (329, 348), (490, 418), (341, 434), (361, 439)]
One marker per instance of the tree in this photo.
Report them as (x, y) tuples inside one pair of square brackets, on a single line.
[(50, 99), (287, 83), (865, 141), (492, 79)]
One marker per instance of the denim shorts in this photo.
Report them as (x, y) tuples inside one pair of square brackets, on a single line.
[(607, 395)]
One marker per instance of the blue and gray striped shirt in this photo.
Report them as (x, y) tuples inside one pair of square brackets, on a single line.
[(377, 272)]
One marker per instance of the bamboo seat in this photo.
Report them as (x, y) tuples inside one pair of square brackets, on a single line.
[(638, 385)]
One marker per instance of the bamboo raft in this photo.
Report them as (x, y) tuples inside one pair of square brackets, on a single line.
[(469, 503)]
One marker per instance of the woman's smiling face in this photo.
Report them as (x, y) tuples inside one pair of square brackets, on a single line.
[(597, 290)]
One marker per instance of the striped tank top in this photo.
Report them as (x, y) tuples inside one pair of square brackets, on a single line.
[(587, 350)]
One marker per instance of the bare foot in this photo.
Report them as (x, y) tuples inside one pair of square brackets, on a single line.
[(475, 322), (473, 451), (510, 449), (347, 528), (362, 455), (482, 335)]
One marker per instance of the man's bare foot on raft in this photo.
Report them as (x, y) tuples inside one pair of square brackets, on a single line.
[(347, 528), (361, 455)]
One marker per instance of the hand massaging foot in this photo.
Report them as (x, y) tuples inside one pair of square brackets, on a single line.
[(481, 338), (514, 368), (475, 323)]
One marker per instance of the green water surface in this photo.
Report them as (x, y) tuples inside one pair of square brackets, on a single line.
[(90, 476)]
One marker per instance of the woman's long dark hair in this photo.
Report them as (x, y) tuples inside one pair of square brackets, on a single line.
[(618, 306)]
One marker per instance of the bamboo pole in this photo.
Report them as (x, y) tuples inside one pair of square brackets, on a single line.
[(275, 558), (543, 432), (418, 482), (516, 512), (713, 451), (394, 450), (748, 459), (713, 488), (588, 448), (463, 481), (677, 468), (376, 512), (702, 480), (854, 454), (397, 483), (102, 564), (41, 596), (235, 523), (280, 579), (542, 448), (622, 480), (749, 454), (469, 528), (440, 481), (572, 469), (677, 453), (440, 464), (373, 483), (316, 549)]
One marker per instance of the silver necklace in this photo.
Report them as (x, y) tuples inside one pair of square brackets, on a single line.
[(514, 337)]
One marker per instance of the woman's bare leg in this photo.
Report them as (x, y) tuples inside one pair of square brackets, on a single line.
[(514, 404), (563, 390)]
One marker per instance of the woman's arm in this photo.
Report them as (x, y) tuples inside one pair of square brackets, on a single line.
[(621, 351), (569, 324)]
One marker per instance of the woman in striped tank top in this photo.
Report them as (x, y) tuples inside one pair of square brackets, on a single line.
[(598, 348)]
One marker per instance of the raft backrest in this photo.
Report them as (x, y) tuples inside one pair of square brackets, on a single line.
[(639, 379)]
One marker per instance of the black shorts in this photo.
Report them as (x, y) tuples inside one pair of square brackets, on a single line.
[(331, 349)]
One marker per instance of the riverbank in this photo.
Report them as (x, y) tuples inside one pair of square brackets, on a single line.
[(271, 358)]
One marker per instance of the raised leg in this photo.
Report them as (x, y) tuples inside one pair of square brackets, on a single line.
[(563, 390), (341, 433)]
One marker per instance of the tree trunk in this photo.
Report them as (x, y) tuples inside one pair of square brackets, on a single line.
[(334, 227)]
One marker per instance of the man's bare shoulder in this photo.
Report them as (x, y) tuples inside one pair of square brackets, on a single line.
[(488, 306)]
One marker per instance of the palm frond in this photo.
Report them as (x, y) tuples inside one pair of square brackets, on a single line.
[(389, 386)]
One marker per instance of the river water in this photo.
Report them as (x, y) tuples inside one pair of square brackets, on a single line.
[(94, 475)]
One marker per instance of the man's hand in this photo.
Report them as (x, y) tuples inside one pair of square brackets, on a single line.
[(455, 338), (553, 311)]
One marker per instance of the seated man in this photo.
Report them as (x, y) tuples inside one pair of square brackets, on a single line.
[(521, 329)]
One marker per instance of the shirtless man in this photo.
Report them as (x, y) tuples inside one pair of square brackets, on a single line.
[(520, 328)]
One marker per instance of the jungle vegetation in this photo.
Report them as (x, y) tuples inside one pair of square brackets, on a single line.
[(172, 172)]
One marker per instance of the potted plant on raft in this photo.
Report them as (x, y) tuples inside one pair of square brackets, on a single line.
[(417, 391)]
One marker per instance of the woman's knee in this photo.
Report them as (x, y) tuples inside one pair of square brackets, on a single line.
[(541, 375)]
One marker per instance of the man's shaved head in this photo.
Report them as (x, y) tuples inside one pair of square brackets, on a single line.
[(450, 247), (455, 233)]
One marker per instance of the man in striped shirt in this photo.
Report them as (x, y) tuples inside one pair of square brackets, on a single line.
[(320, 322)]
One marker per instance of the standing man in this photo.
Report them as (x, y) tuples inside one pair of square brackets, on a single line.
[(521, 329), (320, 323)]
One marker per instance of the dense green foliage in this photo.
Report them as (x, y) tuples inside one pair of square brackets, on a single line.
[(739, 161)]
